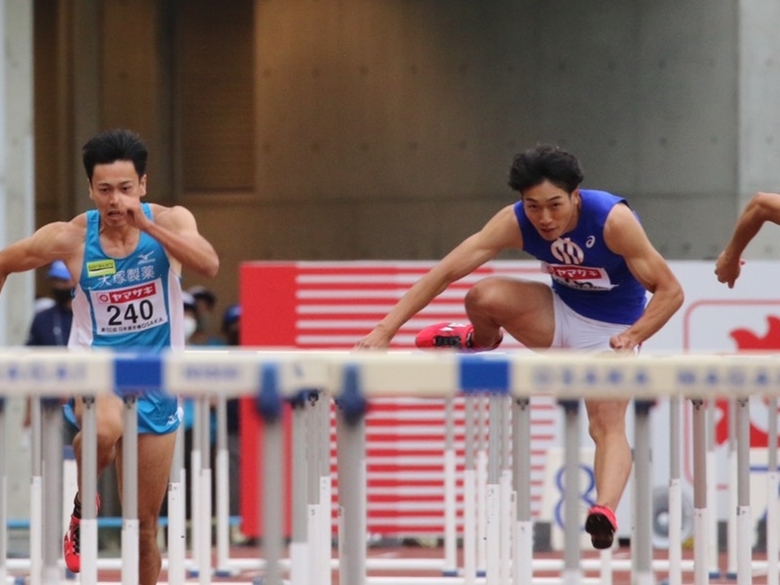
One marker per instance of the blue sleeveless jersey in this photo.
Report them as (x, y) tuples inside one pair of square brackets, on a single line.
[(133, 304), (590, 278)]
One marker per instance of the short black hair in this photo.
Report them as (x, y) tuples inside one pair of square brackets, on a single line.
[(113, 145), (545, 163)]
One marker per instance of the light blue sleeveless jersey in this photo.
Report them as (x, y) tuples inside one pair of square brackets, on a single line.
[(590, 278), (130, 304)]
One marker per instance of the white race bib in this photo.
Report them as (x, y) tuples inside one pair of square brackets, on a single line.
[(130, 309)]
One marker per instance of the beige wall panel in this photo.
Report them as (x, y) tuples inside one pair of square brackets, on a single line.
[(217, 96), (132, 83), (383, 99), (48, 189), (242, 229), (391, 230), (375, 119)]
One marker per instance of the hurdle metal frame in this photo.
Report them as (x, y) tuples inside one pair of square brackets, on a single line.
[(352, 379)]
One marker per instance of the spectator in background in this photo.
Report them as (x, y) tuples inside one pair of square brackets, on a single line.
[(231, 330), (190, 316), (51, 326), (205, 303), (188, 406), (193, 306), (42, 303)]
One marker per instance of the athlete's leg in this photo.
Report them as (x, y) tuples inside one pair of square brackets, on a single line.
[(155, 455), (108, 415), (612, 458), (523, 308)]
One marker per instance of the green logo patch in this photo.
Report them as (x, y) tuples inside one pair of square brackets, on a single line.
[(101, 268)]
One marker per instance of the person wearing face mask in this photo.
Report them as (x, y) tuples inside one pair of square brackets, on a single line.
[(190, 316), (51, 326), (205, 307), (231, 330), (191, 320)]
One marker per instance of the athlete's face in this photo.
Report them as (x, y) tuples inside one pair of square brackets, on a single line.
[(116, 188), (551, 210)]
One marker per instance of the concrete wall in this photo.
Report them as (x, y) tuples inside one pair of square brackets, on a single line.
[(385, 128), (759, 116)]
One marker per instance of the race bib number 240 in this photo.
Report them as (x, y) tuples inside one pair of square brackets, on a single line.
[(129, 310)]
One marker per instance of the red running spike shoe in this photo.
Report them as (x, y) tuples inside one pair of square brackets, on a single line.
[(450, 335), (601, 524), (71, 543)]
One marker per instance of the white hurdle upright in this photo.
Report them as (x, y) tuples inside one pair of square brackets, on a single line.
[(772, 489), (523, 537), (712, 491), (224, 565), (52, 491), (450, 568), (731, 521), (3, 498), (36, 493), (675, 493), (744, 516), (299, 544), (177, 530), (470, 497), (89, 532)]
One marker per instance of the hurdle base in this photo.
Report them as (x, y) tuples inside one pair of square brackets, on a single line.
[(226, 572)]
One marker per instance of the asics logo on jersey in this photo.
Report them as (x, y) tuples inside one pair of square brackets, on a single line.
[(566, 251), (590, 241)]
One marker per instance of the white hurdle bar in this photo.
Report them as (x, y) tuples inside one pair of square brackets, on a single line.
[(354, 378)]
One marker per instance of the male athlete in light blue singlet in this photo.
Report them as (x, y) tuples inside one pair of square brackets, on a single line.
[(601, 264), (126, 258), (128, 303)]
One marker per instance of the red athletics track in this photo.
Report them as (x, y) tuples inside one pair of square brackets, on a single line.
[(417, 552)]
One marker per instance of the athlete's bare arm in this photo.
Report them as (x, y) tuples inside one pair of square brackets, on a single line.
[(762, 207), (54, 241), (625, 236), (176, 229), (499, 233)]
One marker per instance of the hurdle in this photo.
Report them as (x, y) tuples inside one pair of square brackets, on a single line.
[(354, 379), (663, 379)]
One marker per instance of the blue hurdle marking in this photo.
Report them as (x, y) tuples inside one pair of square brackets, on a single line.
[(140, 372), (106, 522), (484, 373), (268, 400)]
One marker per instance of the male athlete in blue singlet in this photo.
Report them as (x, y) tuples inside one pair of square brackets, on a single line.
[(126, 258), (601, 264)]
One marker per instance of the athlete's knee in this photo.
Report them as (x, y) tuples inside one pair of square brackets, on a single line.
[(483, 296), (147, 536), (603, 427), (107, 437)]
